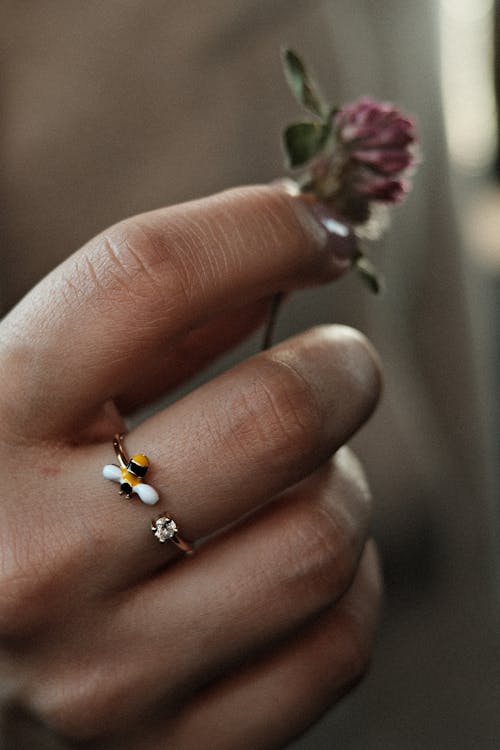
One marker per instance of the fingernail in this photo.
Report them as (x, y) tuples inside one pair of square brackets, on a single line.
[(340, 239), (336, 236), (287, 185)]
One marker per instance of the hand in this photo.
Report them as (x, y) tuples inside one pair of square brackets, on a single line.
[(108, 636)]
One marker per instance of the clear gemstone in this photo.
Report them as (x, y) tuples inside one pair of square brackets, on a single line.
[(164, 528)]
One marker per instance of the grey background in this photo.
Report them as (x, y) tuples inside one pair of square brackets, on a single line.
[(98, 125)]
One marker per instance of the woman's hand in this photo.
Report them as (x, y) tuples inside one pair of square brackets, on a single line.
[(108, 636)]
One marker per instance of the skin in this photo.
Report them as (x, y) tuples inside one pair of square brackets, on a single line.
[(109, 638)]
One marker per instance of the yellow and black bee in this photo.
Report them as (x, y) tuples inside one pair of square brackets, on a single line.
[(130, 473)]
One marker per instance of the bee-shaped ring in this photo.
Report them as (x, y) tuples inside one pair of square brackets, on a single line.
[(129, 474)]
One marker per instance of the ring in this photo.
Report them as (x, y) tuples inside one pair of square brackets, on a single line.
[(165, 529), (130, 473)]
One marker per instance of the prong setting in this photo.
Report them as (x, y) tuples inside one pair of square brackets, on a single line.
[(164, 529)]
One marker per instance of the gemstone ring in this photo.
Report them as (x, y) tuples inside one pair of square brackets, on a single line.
[(165, 529)]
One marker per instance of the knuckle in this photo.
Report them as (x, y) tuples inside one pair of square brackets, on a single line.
[(75, 709), (364, 359), (130, 250), (171, 251), (351, 484), (135, 262), (343, 661), (357, 648), (285, 414), (325, 545), (323, 556)]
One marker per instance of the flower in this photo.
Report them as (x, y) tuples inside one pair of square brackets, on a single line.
[(372, 148), (369, 124), (356, 159)]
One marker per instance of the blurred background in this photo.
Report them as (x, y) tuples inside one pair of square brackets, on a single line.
[(110, 108)]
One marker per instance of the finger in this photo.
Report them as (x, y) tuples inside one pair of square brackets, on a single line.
[(90, 330), (269, 703), (311, 666), (247, 590), (229, 446)]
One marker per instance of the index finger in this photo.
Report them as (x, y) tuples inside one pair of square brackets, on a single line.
[(98, 322)]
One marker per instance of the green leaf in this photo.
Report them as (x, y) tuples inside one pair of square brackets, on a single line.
[(303, 87), (369, 273), (303, 140)]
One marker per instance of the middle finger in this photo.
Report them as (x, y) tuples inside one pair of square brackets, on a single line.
[(232, 444)]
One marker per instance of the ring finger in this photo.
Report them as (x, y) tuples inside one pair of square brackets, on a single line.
[(244, 592), (267, 704)]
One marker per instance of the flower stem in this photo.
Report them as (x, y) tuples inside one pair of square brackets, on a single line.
[(271, 320)]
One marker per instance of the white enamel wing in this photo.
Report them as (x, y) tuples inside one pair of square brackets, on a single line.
[(146, 493)]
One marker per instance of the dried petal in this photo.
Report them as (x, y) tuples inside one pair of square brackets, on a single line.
[(377, 135), (372, 149)]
